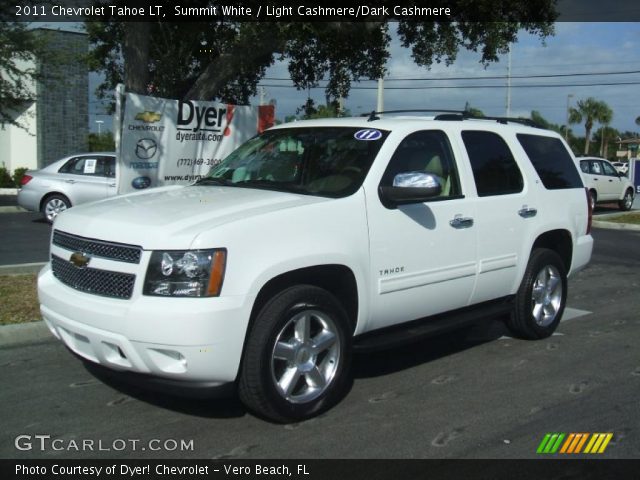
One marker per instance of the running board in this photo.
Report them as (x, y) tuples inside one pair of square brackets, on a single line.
[(397, 335)]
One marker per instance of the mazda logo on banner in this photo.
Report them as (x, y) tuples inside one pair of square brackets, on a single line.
[(146, 148)]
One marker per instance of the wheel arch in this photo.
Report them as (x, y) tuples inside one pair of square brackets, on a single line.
[(339, 280), (47, 195), (560, 241)]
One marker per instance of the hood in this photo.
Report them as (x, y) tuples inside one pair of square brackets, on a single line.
[(171, 217)]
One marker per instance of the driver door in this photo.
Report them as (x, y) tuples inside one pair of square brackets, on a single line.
[(423, 255)]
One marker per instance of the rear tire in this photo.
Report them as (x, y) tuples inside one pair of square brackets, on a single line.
[(297, 356), (627, 201), (541, 298), (53, 205)]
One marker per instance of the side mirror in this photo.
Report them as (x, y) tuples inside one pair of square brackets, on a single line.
[(410, 187)]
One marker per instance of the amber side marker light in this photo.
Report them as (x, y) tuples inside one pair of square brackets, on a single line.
[(216, 278)]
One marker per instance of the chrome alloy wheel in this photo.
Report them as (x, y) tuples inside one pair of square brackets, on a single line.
[(628, 200), (546, 296), (305, 356), (53, 208)]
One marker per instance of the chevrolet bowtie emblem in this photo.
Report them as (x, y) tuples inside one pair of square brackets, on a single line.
[(79, 259)]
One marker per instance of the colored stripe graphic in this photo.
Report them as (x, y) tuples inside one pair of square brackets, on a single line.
[(550, 443), (574, 443)]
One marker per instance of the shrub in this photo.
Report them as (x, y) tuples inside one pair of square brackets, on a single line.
[(5, 179), (18, 173)]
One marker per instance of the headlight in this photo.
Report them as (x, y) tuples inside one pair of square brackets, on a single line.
[(185, 273)]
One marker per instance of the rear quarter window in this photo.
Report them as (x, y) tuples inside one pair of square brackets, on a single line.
[(552, 161)]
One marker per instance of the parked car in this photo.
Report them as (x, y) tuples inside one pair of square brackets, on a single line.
[(605, 184), (73, 180), (621, 167), (314, 239)]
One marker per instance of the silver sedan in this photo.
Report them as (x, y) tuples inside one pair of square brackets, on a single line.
[(76, 179)]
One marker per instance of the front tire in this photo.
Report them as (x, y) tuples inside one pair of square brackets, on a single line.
[(297, 356), (541, 298), (627, 201)]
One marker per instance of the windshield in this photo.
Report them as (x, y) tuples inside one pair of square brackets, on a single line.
[(330, 161)]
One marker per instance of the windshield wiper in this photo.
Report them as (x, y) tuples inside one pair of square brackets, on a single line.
[(270, 185), (214, 181)]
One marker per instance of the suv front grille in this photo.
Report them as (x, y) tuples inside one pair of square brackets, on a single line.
[(98, 248), (92, 280)]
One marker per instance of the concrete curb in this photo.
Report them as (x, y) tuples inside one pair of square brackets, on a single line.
[(22, 268), (12, 209), (616, 226), (24, 333)]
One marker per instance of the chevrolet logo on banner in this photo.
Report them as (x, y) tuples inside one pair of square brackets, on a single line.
[(574, 443)]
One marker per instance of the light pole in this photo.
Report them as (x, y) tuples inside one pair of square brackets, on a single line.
[(99, 122), (566, 128)]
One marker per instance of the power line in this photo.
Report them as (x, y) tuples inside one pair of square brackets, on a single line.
[(436, 87), (489, 77)]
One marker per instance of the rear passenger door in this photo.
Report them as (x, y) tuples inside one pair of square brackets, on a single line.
[(85, 178), (505, 216)]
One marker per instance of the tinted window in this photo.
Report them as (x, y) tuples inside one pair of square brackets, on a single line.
[(90, 165), (428, 151), (609, 170), (494, 168), (551, 160), (584, 166)]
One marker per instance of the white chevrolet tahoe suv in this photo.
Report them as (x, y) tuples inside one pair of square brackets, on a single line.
[(313, 240)]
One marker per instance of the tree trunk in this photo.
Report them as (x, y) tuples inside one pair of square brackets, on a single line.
[(587, 136), (135, 50)]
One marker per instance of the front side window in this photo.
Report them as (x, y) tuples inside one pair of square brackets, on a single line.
[(609, 170), (324, 161), (426, 151), (494, 169)]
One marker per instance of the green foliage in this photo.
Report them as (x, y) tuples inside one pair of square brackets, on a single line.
[(101, 143), (225, 60), (18, 173), (18, 48), (591, 111), (5, 179), (474, 112)]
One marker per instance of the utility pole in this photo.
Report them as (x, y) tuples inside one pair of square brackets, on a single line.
[(566, 128), (509, 82), (380, 106)]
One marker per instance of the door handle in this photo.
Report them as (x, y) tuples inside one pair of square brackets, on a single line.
[(112, 184), (527, 212), (461, 222), (70, 181)]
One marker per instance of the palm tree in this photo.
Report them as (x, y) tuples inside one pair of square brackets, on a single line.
[(590, 110), (638, 121)]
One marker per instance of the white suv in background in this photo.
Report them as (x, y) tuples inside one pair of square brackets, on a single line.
[(312, 240), (605, 184)]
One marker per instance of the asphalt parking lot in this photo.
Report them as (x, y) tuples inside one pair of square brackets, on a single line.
[(472, 394)]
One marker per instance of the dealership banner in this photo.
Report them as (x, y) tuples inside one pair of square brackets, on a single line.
[(175, 142)]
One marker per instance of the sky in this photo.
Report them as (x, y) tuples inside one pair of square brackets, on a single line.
[(575, 48)]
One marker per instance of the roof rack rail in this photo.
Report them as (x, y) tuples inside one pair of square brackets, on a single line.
[(453, 115), (374, 115)]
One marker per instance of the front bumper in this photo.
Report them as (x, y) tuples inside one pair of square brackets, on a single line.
[(196, 340)]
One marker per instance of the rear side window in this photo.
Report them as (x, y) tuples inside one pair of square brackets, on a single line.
[(551, 160), (494, 169)]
